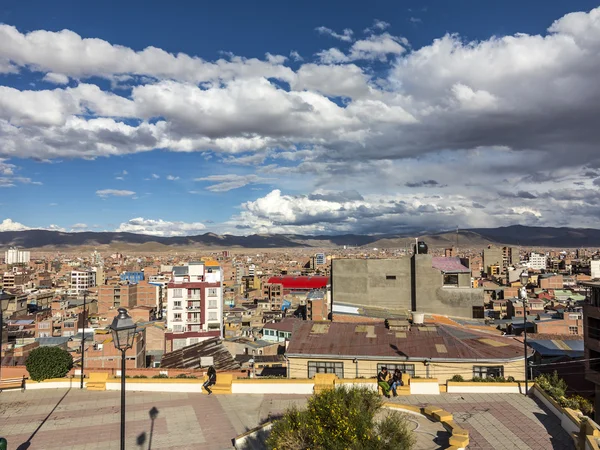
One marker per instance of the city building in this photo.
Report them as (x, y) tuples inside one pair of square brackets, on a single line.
[(320, 259), (82, 280), (352, 350), (16, 256), (278, 331), (420, 283), (563, 322), (132, 277), (492, 256), (113, 297), (294, 285), (194, 304), (591, 320), (537, 261), (595, 269)]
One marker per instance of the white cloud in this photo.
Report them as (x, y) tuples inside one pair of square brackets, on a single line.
[(232, 181), (172, 178), (79, 227), (114, 193), (56, 78), (378, 25), (346, 35), (415, 20), (296, 56), (9, 225), (160, 227), (154, 176)]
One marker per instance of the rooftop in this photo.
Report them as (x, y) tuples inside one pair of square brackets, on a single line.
[(373, 340), (449, 264)]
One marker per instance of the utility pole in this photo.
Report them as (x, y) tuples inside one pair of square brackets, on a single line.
[(83, 337)]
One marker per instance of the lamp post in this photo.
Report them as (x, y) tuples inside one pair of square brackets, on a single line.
[(3, 308), (85, 293), (524, 278), (123, 332)]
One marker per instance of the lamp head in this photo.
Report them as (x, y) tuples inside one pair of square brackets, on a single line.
[(123, 330), (524, 278)]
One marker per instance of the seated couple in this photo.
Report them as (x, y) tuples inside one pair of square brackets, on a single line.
[(389, 382)]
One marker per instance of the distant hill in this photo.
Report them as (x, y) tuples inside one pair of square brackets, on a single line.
[(478, 237)]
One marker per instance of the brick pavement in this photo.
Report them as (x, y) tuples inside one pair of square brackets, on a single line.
[(501, 421), (82, 420)]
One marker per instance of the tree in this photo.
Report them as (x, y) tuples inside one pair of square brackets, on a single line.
[(339, 419), (48, 362)]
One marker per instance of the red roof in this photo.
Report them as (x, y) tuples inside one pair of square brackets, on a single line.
[(290, 282), (449, 264)]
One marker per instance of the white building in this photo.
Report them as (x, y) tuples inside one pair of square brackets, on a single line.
[(595, 268), (82, 280), (16, 256), (194, 303), (320, 259), (537, 261)]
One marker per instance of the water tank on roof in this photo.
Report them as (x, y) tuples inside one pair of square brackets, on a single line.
[(418, 318)]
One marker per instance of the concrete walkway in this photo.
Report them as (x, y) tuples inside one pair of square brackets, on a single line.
[(82, 420)]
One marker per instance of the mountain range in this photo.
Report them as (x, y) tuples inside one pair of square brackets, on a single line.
[(477, 237)]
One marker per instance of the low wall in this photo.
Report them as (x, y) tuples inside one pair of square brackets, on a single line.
[(272, 386), (54, 383), (569, 420), (156, 385), (470, 387), (427, 386), (358, 382)]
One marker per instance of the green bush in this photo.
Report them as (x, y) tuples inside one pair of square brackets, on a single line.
[(457, 378), (48, 362), (140, 376), (341, 418), (478, 379), (161, 375), (511, 379), (183, 375), (583, 404)]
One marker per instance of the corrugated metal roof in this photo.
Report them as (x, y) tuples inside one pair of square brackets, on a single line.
[(189, 357), (343, 339)]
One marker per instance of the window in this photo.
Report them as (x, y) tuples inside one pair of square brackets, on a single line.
[(212, 303), (488, 371), (315, 367), (450, 279), (593, 326), (573, 330), (177, 304), (69, 325), (406, 368), (390, 277), (43, 325), (177, 328), (212, 292), (212, 315), (177, 317), (177, 293), (44, 334)]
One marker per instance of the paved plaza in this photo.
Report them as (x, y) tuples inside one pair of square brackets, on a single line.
[(81, 420)]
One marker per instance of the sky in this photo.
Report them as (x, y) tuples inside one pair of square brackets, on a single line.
[(236, 117)]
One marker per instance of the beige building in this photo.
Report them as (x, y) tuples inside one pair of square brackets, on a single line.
[(352, 350)]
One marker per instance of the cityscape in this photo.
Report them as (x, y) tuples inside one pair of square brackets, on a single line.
[(316, 226)]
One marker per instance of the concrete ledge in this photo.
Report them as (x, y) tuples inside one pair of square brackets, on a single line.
[(428, 386), (471, 387), (424, 380)]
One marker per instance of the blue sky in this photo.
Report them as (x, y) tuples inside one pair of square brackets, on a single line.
[(311, 117)]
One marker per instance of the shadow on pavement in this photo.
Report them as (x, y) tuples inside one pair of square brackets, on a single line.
[(25, 445)]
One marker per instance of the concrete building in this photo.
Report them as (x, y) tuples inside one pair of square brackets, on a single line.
[(595, 269), (194, 304), (421, 283), (537, 261), (16, 256), (564, 322), (510, 256), (320, 259), (591, 320), (82, 280), (492, 256), (550, 282)]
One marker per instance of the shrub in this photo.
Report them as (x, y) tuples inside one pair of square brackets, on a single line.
[(341, 418), (183, 375), (583, 404), (457, 378), (48, 362), (140, 376), (478, 379), (552, 384), (499, 380), (161, 375), (511, 379)]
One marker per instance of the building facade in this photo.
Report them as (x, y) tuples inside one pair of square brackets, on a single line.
[(16, 256), (537, 261), (82, 280), (591, 337), (194, 304)]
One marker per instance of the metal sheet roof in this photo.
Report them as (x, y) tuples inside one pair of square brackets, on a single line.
[(449, 264)]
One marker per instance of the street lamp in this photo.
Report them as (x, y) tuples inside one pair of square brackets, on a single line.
[(85, 293), (524, 278), (123, 332), (4, 303)]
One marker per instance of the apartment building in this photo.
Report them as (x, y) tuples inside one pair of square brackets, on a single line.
[(595, 268), (82, 280), (113, 297), (537, 261), (194, 304), (564, 322), (551, 282), (16, 256), (591, 319), (514, 307)]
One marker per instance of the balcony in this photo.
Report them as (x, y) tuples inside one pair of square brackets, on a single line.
[(193, 297)]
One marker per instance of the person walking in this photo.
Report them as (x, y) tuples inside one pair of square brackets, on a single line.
[(382, 381), (212, 379)]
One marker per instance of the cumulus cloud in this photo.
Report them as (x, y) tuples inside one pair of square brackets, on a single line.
[(10, 225), (378, 25), (231, 181), (114, 193), (172, 177), (56, 78), (160, 227)]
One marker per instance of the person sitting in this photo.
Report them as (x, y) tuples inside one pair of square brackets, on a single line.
[(382, 381), (396, 381), (212, 379)]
